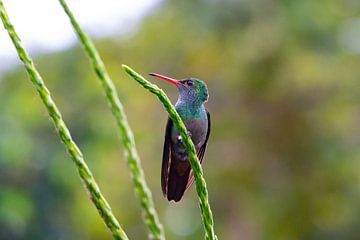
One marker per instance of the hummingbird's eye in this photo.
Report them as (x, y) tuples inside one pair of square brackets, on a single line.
[(189, 83)]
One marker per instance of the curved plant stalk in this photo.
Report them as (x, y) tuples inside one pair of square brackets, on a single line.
[(190, 149), (151, 218), (76, 155)]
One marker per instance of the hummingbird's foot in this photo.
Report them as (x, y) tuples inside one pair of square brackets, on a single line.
[(179, 139)]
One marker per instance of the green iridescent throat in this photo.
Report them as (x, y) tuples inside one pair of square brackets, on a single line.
[(190, 109)]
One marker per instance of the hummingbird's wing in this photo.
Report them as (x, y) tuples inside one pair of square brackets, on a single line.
[(174, 171), (176, 174), (166, 156), (201, 151)]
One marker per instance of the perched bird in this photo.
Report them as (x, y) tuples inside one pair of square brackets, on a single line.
[(176, 172)]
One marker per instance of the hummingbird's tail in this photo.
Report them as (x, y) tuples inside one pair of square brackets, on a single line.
[(177, 180)]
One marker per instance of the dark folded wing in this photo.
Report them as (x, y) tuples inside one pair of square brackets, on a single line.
[(174, 171), (166, 157)]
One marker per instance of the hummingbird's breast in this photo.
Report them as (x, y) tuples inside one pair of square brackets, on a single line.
[(197, 130)]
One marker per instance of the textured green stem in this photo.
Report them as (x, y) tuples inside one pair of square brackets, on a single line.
[(190, 148), (76, 155), (150, 216)]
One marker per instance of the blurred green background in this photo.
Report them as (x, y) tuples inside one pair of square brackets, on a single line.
[(283, 159)]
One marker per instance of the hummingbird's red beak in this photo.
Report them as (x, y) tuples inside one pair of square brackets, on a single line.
[(171, 80)]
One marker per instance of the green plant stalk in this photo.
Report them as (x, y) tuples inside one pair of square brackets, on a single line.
[(151, 218), (190, 148), (76, 155)]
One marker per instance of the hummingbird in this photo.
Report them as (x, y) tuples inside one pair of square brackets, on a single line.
[(176, 172)]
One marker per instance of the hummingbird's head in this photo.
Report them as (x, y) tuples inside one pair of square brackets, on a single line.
[(190, 89), (193, 88)]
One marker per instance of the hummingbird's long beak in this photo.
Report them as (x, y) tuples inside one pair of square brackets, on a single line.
[(171, 80)]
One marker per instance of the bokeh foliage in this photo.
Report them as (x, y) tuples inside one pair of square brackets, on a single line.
[(283, 158)]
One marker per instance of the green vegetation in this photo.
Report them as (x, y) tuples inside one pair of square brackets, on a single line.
[(283, 157), (64, 133), (150, 216)]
